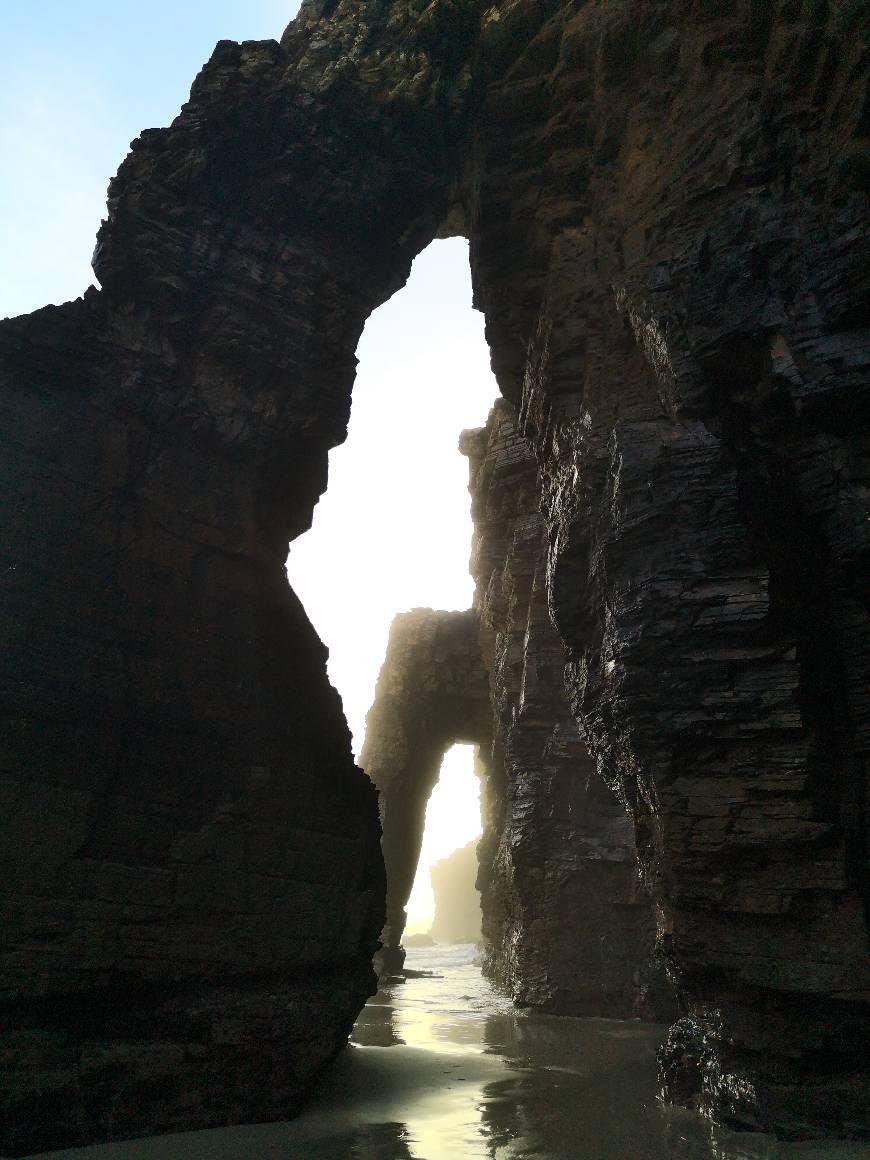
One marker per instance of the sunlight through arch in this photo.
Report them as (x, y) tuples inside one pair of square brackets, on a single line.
[(452, 821), (393, 530)]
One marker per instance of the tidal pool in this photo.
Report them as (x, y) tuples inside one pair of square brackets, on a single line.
[(444, 1068)]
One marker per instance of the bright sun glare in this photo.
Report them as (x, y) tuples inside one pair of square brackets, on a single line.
[(393, 531), (452, 821)]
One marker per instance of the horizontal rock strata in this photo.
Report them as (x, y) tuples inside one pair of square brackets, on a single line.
[(190, 859), (670, 247), (666, 204), (568, 925), (192, 881)]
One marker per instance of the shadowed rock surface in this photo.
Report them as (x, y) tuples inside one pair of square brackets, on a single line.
[(667, 213), (568, 925)]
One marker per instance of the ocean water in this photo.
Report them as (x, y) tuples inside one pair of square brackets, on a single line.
[(444, 1068)]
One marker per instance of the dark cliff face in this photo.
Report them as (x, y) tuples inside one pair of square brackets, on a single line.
[(568, 926), (191, 871), (666, 209), (698, 322), (193, 885)]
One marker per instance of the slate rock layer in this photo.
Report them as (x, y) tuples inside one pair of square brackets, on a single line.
[(568, 925), (191, 870), (666, 204)]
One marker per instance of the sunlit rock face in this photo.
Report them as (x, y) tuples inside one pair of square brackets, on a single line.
[(568, 925), (457, 901), (667, 215), (432, 693)]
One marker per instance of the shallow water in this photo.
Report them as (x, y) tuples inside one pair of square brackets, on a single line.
[(446, 1069)]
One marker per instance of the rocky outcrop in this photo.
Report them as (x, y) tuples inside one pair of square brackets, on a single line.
[(432, 693), (568, 925), (697, 334), (191, 870), (667, 214), (457, 901), (670, 247), (192, 881)]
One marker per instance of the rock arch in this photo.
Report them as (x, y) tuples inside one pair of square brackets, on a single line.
[(432, 693), (192, 874), (668, 228)]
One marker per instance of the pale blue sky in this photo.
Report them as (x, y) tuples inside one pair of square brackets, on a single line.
[(81, 79)]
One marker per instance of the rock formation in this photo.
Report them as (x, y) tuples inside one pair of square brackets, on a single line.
[(191, 870), (432, 693), (457, 901), (666, 204), (568, 925)]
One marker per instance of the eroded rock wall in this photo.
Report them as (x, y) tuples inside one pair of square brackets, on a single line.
[(192, 881), (190, 859), (669, 242), (568, 925), (667, 210)]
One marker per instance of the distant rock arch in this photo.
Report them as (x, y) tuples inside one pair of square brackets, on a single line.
[(667, 216), (432, 693)]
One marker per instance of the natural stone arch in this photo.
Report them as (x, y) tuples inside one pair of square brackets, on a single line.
[(190, 853), (432, 693), (668, 232)]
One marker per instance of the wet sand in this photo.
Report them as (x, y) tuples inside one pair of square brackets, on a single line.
[(446, 1069)]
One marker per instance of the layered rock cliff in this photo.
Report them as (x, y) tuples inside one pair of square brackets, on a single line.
[(192, 880), (191, 872), (568, 925), (667, 214)]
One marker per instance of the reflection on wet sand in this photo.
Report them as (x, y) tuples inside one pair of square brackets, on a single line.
[(376, 1024), (442, 1068), (567, 1095)]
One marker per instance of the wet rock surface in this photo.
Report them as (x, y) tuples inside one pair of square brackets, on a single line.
[(568, 925), (667, 214)]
